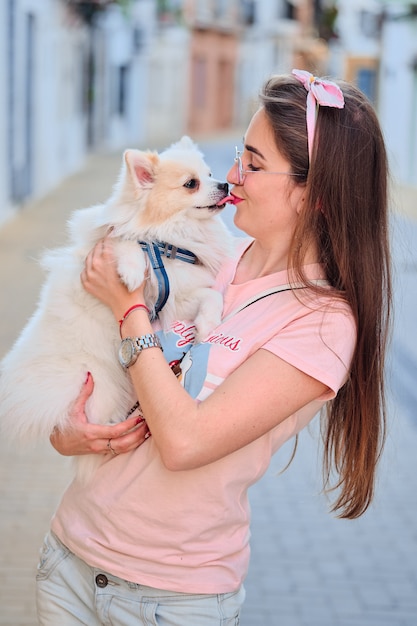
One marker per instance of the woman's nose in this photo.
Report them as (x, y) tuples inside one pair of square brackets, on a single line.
[(232, 175)]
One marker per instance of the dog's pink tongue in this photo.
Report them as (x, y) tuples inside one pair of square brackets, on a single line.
[(226, 200)]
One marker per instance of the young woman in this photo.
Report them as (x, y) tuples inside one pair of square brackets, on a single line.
[(160, 535)]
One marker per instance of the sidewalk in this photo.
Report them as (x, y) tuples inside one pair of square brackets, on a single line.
[(308, 569), (32, 480)]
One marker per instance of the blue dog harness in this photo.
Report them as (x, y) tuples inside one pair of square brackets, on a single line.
[(156, 250)]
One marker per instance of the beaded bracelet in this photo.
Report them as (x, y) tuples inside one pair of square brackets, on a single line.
[(135, 307)]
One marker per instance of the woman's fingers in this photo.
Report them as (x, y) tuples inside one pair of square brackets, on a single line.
[(114, 431), (86, 438), (128, 442), (100, 277), (78, 410)]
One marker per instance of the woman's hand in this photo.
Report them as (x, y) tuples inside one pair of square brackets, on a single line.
[(101, 279), (83, 437)]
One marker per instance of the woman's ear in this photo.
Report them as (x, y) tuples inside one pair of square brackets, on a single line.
[(300, 204)]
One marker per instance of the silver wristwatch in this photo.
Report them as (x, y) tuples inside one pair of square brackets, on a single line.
[(131, 347)]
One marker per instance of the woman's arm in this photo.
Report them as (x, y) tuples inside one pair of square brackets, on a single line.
[(259, 395)]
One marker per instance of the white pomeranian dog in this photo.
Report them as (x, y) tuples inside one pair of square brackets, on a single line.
[(168, 198)]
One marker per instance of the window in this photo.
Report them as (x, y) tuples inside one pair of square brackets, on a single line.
[(366, 81), (123, 74), (248, 12), (199, 82), (288, 10)]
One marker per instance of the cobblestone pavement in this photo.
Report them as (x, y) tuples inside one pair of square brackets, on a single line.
[(308, 568)]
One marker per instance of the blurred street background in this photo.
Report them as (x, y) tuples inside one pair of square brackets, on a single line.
[(308, 569), (85, 80)]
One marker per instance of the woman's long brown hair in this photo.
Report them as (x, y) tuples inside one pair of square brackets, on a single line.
[(345, 216)]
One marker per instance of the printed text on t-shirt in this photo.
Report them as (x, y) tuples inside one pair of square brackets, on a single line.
[(228, 341), (186, 333)]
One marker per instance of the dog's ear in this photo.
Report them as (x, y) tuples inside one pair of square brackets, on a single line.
[(185, 143), (141, 167)]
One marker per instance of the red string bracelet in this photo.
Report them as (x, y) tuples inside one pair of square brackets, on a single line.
[(129, 311)]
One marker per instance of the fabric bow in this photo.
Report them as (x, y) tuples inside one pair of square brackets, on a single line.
[(319, 92)]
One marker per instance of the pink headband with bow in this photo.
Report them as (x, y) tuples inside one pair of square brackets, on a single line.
[(319, 92)]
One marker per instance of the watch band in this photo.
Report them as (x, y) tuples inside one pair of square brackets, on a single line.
[(131, 347), (147, 341)]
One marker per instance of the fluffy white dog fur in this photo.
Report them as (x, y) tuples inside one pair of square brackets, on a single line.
[(169, 197)]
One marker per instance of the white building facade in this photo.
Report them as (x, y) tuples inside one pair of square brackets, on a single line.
[(398, 90), (43, 118), (131, 78), (377, 49), (70, 87), (5, 204)]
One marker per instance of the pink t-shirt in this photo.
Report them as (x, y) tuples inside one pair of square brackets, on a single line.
[(189, 531)]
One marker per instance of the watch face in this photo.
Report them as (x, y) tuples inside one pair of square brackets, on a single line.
[(126, 352)]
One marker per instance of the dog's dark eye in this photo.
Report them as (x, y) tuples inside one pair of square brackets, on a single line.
[(192, 184)]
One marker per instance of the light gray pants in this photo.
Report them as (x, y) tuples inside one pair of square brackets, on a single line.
[(70, 593)]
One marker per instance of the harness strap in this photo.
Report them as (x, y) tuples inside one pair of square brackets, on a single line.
[(161, 275), (171, 251), (155, 251)]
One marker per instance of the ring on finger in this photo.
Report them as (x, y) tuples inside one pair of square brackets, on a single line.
[(110, 449)]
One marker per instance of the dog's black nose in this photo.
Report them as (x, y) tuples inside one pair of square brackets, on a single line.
[(223, 187)]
